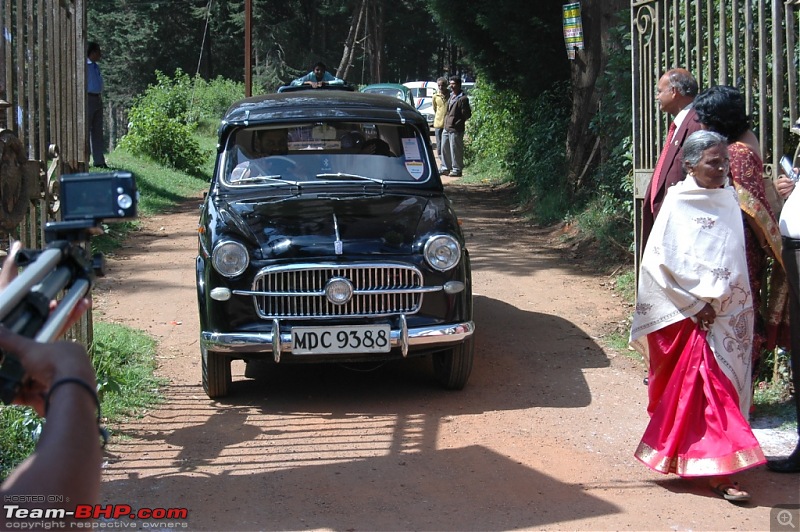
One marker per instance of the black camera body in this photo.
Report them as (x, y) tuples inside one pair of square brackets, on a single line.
[(98, 196)]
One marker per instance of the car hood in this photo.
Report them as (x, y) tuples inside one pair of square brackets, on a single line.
[(313, 227)]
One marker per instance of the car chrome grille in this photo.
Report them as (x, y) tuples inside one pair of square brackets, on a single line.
[(298, 291)]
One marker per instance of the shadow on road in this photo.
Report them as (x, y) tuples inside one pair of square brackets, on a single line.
[(378, 450)]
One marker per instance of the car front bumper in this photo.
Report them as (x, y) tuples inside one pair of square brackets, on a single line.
[(402, 339)]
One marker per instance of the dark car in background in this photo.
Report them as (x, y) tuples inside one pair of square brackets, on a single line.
[(394, 90), (326, 236)]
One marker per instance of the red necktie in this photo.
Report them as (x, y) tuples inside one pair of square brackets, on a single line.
[(659, 164)]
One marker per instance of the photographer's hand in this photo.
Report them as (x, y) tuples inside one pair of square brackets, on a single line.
[(45, 364), (59, 383), (68, 455)]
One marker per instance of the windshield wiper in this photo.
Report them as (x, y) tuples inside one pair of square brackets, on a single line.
[(340, 175), (253, 179)]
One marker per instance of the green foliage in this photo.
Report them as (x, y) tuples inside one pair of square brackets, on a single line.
[(210, 99), (514, 43), (161, 127), (207, 38), (159, 188), (488, 133), (124, 360), (773, 399), (612, 123), (19, 429), (537, 157)]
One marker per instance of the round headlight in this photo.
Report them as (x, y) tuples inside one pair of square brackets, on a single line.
[(230, 258), (442, 252)]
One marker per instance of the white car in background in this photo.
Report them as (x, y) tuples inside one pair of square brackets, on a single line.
[(423, 92)]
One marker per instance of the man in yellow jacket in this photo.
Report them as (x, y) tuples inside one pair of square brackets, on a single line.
[(439, 101)]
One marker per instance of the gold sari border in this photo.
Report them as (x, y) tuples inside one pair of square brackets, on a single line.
[(700, 467)]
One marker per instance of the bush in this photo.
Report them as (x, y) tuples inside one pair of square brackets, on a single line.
[(537, 158), (488, 135), (210, 100), (161, 125), (20, 429)]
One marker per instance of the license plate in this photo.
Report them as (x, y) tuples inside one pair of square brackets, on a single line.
[(341, 339)]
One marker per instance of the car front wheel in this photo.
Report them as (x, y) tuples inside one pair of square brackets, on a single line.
[(216, 373), (453, 366)]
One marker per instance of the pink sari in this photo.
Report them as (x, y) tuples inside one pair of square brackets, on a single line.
[(696, 427)]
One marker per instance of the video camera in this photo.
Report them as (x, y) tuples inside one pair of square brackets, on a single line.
[(65, 264)]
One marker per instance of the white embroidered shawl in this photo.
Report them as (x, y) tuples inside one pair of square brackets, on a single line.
[(696, 255)]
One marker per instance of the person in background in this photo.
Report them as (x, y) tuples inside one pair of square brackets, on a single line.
[(675, 94), (59, 384), (693, 324), (455, 123), (318, 77), (94, 104), (439, 102), (790, 229), (722, 109)]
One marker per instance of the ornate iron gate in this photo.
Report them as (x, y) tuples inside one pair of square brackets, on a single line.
[(751, 44)]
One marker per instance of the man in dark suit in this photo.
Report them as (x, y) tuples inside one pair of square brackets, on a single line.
[(675, 93)]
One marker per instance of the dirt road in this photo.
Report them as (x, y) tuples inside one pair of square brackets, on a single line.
[(541, 438)]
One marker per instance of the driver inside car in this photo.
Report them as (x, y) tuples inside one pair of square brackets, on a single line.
[(268, 148)]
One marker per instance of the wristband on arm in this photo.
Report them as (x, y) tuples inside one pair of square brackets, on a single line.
[(83, 384)]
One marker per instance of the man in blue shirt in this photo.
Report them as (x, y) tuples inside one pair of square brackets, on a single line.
[(94, 104), (319, 77)]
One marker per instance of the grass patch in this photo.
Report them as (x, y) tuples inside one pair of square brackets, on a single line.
[(625, 285), (19, 426), (484, 171), (124, 360), (159, 189), (774, 400)]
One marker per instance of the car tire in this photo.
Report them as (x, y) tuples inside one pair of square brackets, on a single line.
[(453, 366), (216, 373)]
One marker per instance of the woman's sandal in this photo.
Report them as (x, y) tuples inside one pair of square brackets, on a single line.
[(723, 489)]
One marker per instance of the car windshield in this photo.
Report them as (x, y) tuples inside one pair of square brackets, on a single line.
[(325, 152)]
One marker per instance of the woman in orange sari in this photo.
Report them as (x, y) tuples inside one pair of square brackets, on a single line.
[(722, 109), (694, 325)]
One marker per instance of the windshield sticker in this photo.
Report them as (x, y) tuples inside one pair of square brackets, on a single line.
[(411, 149), (415, 168)]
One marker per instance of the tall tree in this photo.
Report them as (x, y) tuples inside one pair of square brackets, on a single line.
[(514, 43), (582, 148)]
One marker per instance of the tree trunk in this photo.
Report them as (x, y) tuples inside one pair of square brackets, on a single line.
[(375, 38), (596, 16), (349, 45)]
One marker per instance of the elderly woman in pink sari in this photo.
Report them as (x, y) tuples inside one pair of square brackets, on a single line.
[(722, 109), (694, 325)]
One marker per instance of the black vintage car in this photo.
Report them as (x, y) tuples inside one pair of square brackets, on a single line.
[(326, 236)]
